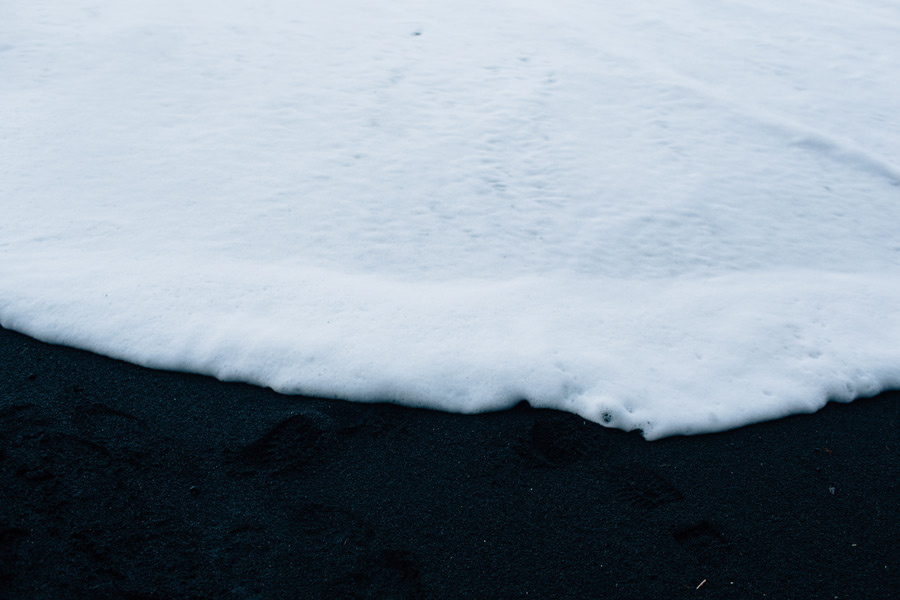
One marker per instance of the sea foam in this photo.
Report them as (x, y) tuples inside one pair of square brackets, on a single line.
[(655, 216)]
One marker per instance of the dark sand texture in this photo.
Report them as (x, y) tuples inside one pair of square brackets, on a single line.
[(125, 483)]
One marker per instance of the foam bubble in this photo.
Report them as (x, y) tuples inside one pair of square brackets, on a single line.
[(659, 219)]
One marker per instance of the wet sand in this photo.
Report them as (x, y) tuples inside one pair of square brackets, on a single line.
[(122, 482)]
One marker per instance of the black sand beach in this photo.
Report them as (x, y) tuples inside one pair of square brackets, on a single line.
[(122, 482)]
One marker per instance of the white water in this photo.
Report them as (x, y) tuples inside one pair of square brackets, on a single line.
[(667, 215)]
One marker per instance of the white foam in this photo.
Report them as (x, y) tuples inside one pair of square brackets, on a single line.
[(677, 218)]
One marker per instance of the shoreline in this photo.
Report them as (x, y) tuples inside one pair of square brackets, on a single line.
[(118, 481)]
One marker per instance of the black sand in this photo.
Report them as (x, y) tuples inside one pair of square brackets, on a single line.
[(121, 482)]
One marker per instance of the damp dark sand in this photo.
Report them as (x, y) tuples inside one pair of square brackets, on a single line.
[(122, 482)]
